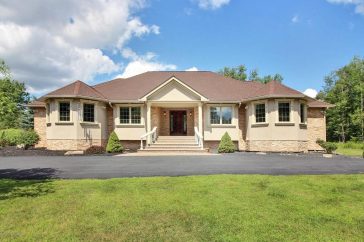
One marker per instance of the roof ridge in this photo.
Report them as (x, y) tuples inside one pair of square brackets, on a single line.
[(77, 87)]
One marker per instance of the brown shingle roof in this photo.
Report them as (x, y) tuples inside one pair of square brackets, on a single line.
[(313, 103), (211, 85), (76, 89), (36, 104)]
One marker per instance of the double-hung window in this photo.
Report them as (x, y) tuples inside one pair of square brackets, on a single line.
[(130, 115), (284, 112), (88, 112), (221, 115), (64, 112), (260, 113)]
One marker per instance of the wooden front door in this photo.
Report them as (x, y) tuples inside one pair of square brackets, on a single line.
[(178, 122)]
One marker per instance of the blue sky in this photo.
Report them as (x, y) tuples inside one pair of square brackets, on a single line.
[(301, 40)]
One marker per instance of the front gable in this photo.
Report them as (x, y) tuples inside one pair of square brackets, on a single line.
[(173, 90)]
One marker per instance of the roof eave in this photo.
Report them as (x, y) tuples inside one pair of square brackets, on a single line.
[(75, 96)]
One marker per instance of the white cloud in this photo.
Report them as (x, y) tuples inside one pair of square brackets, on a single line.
[(212, 4), (295, 19), (310, 92), (50, 43), (359, 4), (193, 68), (143, 63)]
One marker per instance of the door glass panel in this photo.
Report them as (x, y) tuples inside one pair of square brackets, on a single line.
[(184, 123)]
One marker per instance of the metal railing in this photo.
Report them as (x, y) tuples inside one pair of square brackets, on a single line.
[(152, 134), (199, 138)]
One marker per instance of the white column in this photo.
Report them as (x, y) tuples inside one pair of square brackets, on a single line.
[(149, 121), (200, 122)]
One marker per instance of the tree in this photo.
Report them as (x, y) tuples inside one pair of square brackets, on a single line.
[(226, 144), (113, 144), (239, 73), (13, 97), (344, 88)]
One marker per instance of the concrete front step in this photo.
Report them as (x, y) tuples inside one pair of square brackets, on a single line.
[(176, 137), (153, 150), (173, 147), (174, 144)]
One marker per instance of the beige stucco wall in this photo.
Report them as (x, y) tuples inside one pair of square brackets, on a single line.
[(80, 133), (214, 131), (316, 127)]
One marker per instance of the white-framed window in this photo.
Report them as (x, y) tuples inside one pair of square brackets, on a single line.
[(260, 113), (221, 115), (303, 113), (130, 115), (88, 112), (284, 111), (64, 110)]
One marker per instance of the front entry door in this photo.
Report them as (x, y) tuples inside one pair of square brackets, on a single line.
[(178, 122)]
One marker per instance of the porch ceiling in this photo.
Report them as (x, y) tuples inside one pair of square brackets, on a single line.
[(174, 104)]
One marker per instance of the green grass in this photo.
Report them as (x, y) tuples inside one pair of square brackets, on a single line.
[(196, 208), (350, 149)]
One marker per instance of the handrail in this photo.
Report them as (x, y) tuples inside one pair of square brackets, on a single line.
[(199, 138), (153, 135)]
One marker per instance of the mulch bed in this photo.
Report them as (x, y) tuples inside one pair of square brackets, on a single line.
[(13, 151)]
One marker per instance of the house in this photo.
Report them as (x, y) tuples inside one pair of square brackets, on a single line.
[(180, 107)]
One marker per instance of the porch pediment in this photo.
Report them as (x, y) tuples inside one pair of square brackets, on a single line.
[(173, 90)]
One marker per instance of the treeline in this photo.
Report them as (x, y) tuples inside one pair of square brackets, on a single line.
[(345, 89), (240, 73), (13, 98)]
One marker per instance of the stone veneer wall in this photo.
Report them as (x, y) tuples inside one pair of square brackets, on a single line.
[(316, 127), (242, 127), (214, 145), (110, 120), (72, 144), (277, 145), (40, 126)]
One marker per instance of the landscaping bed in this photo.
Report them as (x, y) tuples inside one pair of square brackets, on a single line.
[(14, 151)]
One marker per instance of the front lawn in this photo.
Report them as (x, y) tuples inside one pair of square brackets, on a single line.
[(350, 149), (195, 208)]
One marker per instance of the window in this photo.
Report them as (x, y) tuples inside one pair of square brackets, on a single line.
[(88, 112), (221, 115), (284, 111), (130, 115), (135, 115), (260, 113), (64, 111), (302, 113)]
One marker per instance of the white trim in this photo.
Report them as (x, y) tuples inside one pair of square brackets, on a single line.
[(291, 112), (95, 111), (265, 102), (58, 101), (142, 120), (144, 98), (220, 124)]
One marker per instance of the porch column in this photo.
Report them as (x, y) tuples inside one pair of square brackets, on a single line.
[(200, 123), (149, 121)]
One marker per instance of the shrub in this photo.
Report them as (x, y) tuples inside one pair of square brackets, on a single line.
[(113, 144), (13, 137), (329, 147), (226, 145), (95, 149), (28, 138)]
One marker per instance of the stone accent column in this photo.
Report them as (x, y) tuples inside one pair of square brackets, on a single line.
[(40, 126), (316, 127), (110, 120), (242, 127)]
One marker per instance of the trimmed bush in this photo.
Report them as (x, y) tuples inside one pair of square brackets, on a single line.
[(329, 147), (12, 137), (113, 144), (226, 145)]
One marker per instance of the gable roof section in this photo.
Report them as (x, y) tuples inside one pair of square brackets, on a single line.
[(208, 84), (76, 89), (171, 80)]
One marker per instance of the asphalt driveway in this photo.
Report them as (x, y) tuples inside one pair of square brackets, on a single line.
[(41, 167)]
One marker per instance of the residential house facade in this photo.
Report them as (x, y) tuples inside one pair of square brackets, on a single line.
[(204, 105)]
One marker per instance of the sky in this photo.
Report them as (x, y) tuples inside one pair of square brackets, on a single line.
[(48, 44)]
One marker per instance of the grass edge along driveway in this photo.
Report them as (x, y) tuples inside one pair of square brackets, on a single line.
[(192, 208)]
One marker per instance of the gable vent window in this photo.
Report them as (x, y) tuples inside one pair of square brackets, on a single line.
[(130, 115), (88, 112), (260, 113), (284, 111), (64, 111)]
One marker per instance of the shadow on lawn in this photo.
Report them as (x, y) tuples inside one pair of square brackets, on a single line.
[(26, 182)]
